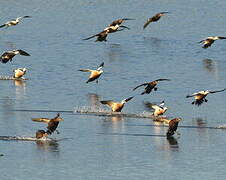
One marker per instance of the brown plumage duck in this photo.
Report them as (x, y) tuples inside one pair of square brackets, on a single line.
[(200, 96), (150, 86), (210, 40), (116, 106), (19, 73), (52, 123), (8, 55), (155, 18), (173, 124), (95, 74)]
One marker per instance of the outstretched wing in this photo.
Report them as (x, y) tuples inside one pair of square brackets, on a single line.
[(145, 84), (147, 23), (194, 94), (85, 70), (2, 25), (108, 102), (23, 53), (91, 37), (162, 80), (217, 91), (45, 120)]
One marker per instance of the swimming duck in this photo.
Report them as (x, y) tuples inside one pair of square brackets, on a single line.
[(52, 123), (158, 109), (100, 36), (210, 40), (14, 21), (95, 74), (155, 18), (8, 55), (19, 73), (116, 106), (173, 124), (41, 134), (200, 96), (150, 85)]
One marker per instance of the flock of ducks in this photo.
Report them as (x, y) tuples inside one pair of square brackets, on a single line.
[(115, 26), (159, 109), (19, 73)]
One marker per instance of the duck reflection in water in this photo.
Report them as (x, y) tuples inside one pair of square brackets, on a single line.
[(48, 146), (172, 141), (211, 67), (19, 83)]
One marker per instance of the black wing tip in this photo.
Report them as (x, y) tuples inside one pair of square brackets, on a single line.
[(26, 16), (125, 19)]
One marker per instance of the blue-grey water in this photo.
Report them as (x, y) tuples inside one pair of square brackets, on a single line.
[(97, 147)]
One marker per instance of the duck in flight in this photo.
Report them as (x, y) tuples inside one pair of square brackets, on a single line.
[(150, 86), (8, 55), (155, 18), (210, 40), (52, 123), (95, 74), (100, 36), (173, 124), (158, 109), (14, 22), (113, 27), (200, 96), (116, 106), (19, 73)]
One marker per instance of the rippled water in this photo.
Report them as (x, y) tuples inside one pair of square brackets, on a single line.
[(102, 147)]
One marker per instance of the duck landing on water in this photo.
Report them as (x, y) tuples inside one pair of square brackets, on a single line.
[(158, 109), (100, 36), (150, 86), (95, 74), (8, 55), (19, 73), (200, 96), (52, 123), (116, 106), (210, 40), (155, 18), (173, 124), (14, 22)]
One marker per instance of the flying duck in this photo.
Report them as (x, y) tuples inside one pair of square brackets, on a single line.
[(14, 21), (52, 123), (155, 18), (173, 124), (158, 109), (19, 73), (115, 28), (116, 106), (8, 55), (100, 36), (95, 74), (119, 21), (150, 85), (210, 40), (41, 134), (200, 96)]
